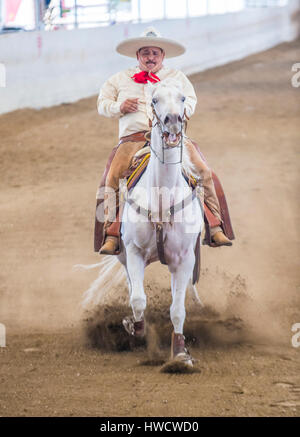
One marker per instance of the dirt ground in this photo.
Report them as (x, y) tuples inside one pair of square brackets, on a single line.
[(247, 124)]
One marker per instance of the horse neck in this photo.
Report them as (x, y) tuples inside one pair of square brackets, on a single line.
[(164, 174)]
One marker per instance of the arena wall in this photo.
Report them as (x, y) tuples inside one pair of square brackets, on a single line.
[(49, 68)]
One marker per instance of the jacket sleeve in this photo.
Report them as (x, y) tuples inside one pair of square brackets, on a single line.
[(190, 96), (107, 101)]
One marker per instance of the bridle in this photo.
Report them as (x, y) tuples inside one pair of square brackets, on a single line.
[(164, 145)]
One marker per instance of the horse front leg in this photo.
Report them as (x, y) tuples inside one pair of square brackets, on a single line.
[(135, 267), (180, 276)]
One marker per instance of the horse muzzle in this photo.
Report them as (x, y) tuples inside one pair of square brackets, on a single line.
[(172, 139)]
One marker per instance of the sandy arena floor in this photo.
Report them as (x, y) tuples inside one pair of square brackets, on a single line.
[(247, 123)]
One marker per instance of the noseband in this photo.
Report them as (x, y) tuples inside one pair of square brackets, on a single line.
[(164, 145)]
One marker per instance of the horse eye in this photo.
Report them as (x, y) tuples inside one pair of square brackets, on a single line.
[(182, 98), (154, 101)]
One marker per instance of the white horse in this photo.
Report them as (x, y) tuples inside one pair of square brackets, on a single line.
[(162, 219), (162, 207)]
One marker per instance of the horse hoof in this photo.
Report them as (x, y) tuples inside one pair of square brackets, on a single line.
[(179, 352), (128, 324), (178, 366), (184, 358), (136, 329)]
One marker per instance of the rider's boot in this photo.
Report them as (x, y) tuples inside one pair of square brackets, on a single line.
[(112, 237), (110, 246), (220, 239)]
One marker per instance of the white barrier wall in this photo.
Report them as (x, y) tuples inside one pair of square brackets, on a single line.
[(49, 68)]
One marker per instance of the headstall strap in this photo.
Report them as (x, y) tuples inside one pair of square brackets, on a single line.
[(185, 115), (185, 120)]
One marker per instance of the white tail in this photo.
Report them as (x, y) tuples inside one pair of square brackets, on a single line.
[(111, 274)]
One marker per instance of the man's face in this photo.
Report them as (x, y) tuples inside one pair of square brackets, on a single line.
[(150, 58)]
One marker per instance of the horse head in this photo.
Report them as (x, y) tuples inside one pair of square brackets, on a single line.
[(167, 101)]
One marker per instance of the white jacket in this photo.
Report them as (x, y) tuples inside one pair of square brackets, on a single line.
[(121, 86)]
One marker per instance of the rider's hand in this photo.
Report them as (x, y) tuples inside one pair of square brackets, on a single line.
[(129, 105)]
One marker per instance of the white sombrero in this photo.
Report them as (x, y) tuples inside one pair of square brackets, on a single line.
[(150, 38)]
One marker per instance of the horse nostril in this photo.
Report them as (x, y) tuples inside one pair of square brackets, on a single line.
[(171, 119)]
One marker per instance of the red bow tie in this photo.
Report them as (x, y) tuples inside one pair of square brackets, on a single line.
[(144, 76)]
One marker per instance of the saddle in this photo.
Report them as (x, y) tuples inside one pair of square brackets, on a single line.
[(139, 165), (133, 174)]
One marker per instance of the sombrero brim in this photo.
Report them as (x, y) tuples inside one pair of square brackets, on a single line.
[(130, 46)]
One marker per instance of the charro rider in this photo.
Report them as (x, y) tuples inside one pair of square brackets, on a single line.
[(123, 96)]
